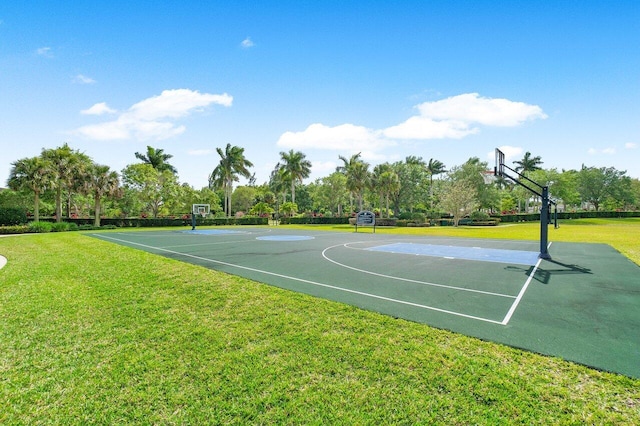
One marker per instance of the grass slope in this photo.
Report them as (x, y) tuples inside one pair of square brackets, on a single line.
[(94, 333)]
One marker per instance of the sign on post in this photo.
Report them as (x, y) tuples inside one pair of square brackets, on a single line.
[(366, 218)]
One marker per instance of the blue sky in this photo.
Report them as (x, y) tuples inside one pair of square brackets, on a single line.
[(447, 80)]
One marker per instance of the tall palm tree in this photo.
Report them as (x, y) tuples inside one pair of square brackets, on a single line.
[(376, 183), (101, 182), (389, 183), (67, 167), (157, 158), (297, 168), (434, 167), (528, 163), (278, 182), (357, 173), (232, 163), (32, 174)]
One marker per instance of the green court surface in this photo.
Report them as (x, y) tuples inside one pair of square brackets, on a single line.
[(582, 305)]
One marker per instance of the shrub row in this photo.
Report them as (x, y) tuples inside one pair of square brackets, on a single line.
[(314, 220), (165, 221), (44, 227), (403, 223), (14, 229), (532, 217), (12, 216)]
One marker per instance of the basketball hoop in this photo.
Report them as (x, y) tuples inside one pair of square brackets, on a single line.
[(201, 209), (198, 209), (488, 176)]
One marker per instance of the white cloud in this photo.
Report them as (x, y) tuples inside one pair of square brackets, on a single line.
[(83, 79), (451, 118), (98, 109), (510, 153), (459, 116), (345, 137), (323, 168), (44, 51), (176, 103), (471, 108), (630, 145), (606, 151), (247, 43), (152, 118), (112, 130), (420, 127)]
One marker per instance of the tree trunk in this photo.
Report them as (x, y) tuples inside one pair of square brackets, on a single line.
[(96, 221), (387, 205), (68, 205), (58, 205), (36, 207)]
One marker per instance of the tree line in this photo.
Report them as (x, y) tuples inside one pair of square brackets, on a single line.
[(67, 183)]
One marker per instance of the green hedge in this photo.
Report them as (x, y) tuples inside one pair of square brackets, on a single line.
[(164, 221), (314, 220), (220, 221), (331, 221), (12, 216), (404, 223), (14, 229), (533, 217)]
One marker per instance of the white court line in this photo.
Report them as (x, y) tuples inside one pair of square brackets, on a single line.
[(346, 290), (363, 271), (507, 318), (253, 240)]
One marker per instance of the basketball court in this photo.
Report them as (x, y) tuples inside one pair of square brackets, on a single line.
[(580, 304)]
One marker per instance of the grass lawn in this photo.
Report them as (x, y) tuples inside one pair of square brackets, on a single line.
[(95, 333)]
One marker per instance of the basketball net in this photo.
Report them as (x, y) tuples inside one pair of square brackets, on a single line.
[(488, 176)]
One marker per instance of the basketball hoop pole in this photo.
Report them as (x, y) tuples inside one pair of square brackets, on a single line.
[(544, 224), (501, 170), (202, 210)]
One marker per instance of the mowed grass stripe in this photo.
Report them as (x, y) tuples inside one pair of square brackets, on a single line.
[(91, 332)]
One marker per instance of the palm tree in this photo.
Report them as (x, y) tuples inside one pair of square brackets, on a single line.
[(278, 182), (232, 163), (357, 173), (296, 167), (358, 179), (376, 184), (389, 183), (32, 174), (158, 159), (528, 163), (101, 182), (67, 167), (434, 167)]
